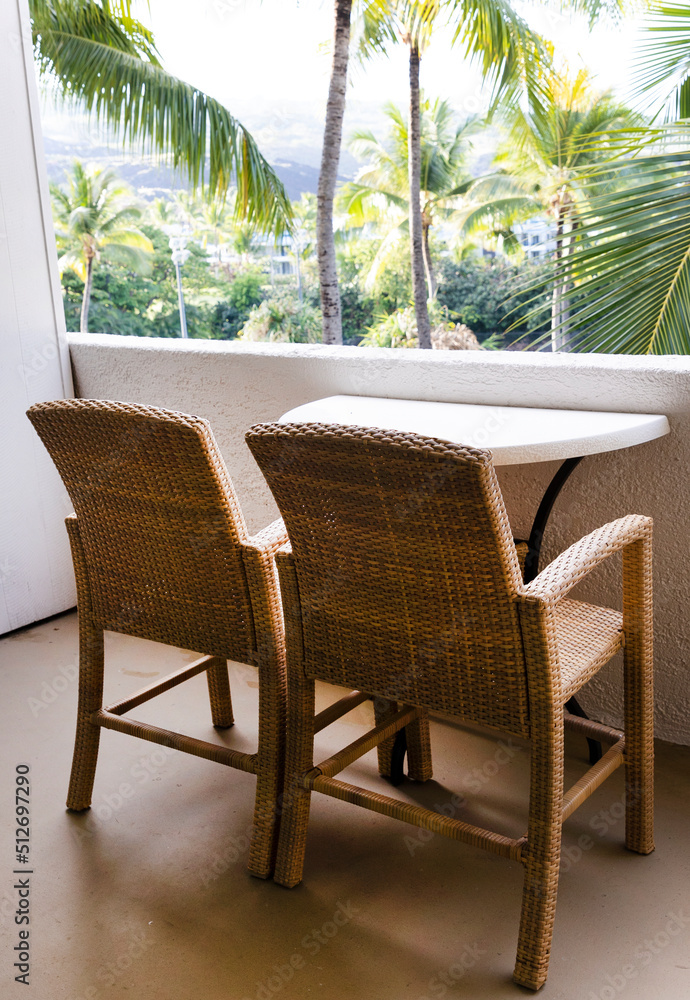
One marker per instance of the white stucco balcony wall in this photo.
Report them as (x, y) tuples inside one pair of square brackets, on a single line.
[(237, 385)]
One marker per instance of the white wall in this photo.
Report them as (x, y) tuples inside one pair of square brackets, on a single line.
[(36, 578), (236, 385)]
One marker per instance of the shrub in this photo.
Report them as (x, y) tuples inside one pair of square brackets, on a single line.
[(400, 330), (282, 319), (246, 292), (490, 297)]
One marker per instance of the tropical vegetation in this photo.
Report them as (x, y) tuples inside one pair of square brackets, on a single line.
[(96, 217), (430, 244), (491, 34), (381, 193), (627, 280), (547, 166)]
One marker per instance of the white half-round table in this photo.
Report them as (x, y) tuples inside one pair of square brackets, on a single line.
[(514, 435)]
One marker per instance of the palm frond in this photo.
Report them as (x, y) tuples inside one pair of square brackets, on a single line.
[(498, 215), (662, 62), (364, 202), (501, 44), (129, 237), (95, 64), (596, 10), (374, 29), (381, 261), (627, 280), (134, 258), (72, 260)]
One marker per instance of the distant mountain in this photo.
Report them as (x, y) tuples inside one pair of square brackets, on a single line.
[(297, 177), (289, 136), (150, 179)]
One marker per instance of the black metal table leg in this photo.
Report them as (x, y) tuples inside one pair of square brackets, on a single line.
[(532, 567), (575, 708), (398, 752), (536, 535)]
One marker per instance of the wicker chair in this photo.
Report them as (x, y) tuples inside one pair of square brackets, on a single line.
[(401, 578), (161, 552)]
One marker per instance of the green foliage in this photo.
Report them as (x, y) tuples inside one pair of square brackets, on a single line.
[(96, 215), (358, 306), (246, 292), (388, 287), (489, 296), (400, 330), (628, 278), (663, 63), (384, 180), (127, 303), (626, 282), (357, 313), (95, 219), (397, 330), (282, 319), (545, 164)]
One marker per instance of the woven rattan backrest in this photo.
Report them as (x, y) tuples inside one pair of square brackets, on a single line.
[(158, 519), (406, 566)]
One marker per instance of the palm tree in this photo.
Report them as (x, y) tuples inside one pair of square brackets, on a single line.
[(95, 216), (628, 278), (544, 167), (303, 232), (383, 184), (328, 175), (419, 290), (493, 36), (378, 19), (205, 220), (94, 55)]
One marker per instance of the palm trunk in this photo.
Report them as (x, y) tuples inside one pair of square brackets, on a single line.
[(430, 277), (330, 157), (86, 298), (560, 314), (415, 171)]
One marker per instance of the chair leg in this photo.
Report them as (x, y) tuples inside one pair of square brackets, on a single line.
[(383, 710), (541, 858), (296, 800), (419, 764), (639, 697), (88, 735), (219, 694), (418, 745), (269, 775)]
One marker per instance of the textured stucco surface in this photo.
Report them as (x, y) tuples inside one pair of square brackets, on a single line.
[(237, 385)]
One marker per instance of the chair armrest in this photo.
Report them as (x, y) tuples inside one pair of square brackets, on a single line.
[(269, 539), (257, 556), (571, 566), (285, 551)]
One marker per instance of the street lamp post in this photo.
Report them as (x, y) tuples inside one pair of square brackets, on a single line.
[(297, 250), (179, 256)]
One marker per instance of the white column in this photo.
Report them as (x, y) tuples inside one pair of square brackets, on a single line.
[(36, 578)]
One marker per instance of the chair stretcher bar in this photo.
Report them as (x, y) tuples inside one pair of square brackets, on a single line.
[(167, 738)]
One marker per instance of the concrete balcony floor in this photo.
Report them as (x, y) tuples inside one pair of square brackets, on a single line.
[(146, 895)]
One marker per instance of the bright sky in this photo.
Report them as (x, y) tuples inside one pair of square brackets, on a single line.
[(272, 53)]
